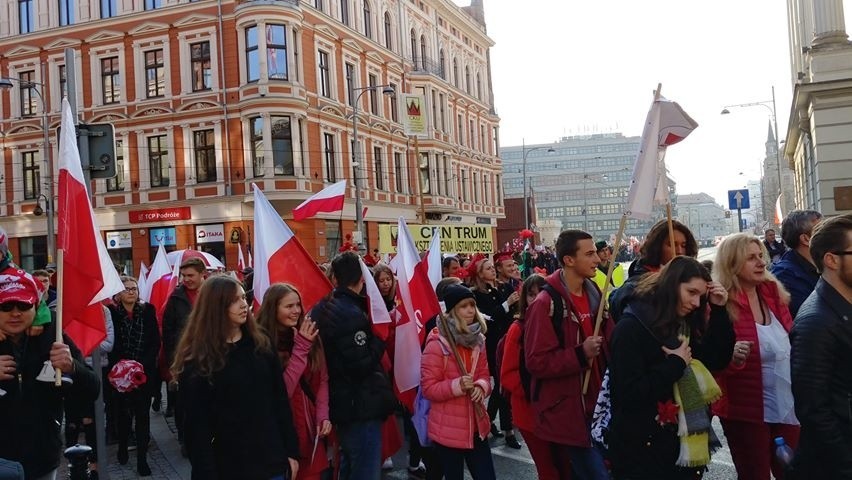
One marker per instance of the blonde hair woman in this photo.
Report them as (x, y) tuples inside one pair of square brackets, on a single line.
[(757, 405)]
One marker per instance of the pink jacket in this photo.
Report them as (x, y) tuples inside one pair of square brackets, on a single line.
[(307, 413), (452, 418)]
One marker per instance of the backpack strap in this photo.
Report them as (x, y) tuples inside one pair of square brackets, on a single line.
[(558, 313)]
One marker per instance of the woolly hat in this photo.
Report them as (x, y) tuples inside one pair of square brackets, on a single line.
[(455, 294), (601, 245)]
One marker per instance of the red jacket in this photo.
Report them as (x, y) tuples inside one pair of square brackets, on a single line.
[(561, 412), (742, 387), (452, 418), (510, 379)]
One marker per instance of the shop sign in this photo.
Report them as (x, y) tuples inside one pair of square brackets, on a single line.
[(209, 233), (160, 215), (118, 240), (165, 235), (454, 238), (483, 220)]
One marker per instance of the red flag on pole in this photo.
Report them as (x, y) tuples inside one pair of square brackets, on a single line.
[(330, 199), (88, 274)]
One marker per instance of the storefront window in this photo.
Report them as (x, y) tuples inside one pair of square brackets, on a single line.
[(33, 253), (120, 247), (165, 235)]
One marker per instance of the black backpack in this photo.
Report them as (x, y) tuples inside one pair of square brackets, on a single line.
[(556, 320)]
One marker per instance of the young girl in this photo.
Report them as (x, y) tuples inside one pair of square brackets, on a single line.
[(305, 375), (237, 419), (458, 423), (510, 378)]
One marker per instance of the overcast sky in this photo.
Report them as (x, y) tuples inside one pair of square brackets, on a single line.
[(568, 67)]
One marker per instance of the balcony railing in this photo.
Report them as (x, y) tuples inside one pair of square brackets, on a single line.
[(427, 65)]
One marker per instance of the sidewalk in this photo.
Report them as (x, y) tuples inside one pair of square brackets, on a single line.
[(164, 456)]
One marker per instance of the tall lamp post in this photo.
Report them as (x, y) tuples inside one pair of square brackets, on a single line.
[(524, 152), (356, 147), (769, 104), (7, 83)]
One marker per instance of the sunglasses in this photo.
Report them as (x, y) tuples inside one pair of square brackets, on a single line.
[(20, 306)]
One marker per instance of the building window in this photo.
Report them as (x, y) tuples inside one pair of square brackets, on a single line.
[(155, 73), (282, 146), (158, 161), (442, 65), (394, 105), (25, 16), (110, 80), (66, 12), (328, 147), (476, 187), (109, 8), (460, 132), (32, 175), (28, 98), (296, 59), (252, 55), (204, 144), (397, 169), (325, 75), (368, 20), (344, 12), (434, 109), (441, 114), (202, 79), (423, 52), (276, 52), (153, 4), (388, 32), (413, 39), (256, 139), (318, 5), (467, 79), (33, 253), (425, 174), (116, 183), (379, 167), (456, 72), (63, 82), (478, 86), (374, 99), (350, 84)]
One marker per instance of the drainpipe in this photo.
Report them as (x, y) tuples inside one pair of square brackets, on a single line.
[(224, 93)]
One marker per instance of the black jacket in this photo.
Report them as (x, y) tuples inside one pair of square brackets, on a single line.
[(641, 375), (174, 320), (359, 389), (145, 313), (821, 364), (31, 411), (491, 303), (239, 424), (621, 296)]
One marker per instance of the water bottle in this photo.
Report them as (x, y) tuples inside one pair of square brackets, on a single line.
[(783, 453)]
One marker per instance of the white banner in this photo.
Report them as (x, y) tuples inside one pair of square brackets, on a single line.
[(414, 115)]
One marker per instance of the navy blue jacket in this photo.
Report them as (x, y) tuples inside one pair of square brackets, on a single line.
[(822, 383), (798, 276)]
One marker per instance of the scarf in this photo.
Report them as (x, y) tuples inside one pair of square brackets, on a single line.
[(694, 392), (130, 333), (469, 340)]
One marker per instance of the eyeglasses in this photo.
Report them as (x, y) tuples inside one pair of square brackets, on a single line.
[(20, 306), (843, 252), (131, 289)]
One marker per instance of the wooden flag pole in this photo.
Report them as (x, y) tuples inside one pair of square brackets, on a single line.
[(60, 292), (604, 291), (671, 227)]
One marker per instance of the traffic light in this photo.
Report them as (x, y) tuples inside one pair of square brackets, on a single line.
[(101, 148)]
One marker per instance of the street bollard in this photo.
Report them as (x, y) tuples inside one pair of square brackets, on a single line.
[(78, 462)]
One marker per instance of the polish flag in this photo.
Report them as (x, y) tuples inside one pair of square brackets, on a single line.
[(250, 261), (378, 310), (162, 281), (282, 258), (329, 199), (241, 262), (417, 297), (433, 259), (779, 214), (88, 274), (665, 125), (142, 281)]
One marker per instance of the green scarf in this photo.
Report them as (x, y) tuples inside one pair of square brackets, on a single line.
[(694, 392)]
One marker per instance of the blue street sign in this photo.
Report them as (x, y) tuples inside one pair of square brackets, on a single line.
[(738, 199)]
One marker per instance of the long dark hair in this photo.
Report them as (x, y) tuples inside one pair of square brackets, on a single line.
[(652, 248), (283, 338), (662, 290), (533, 281), (204, 342)]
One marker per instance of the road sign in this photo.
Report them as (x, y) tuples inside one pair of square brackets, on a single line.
[(738, 199)]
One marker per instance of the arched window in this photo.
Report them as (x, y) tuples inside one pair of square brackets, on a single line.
[(388, 32), (478, 86), (467, 78), (456, 72), (368, 20), (413, 48), (423, 54), (442, 60)]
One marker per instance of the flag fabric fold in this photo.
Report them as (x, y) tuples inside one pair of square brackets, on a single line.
[(241, 263), (665, 125), (282, 258), (779, 214), (89, 276), (329, 199), (433, 259)]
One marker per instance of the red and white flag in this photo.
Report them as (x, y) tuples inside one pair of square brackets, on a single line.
[(88, 274), (282, 258), (162, 281), (378, 311), (241, 262), (329, 199), (250, 261), (433, 259), (142, 281), (779, 214), (415, 293), (666, 124)]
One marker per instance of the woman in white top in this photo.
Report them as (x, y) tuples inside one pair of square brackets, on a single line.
[(757, 402)]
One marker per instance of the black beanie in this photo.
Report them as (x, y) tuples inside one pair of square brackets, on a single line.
[(455, 294)]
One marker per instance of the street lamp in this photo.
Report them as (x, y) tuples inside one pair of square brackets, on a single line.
[(359, 212), (524, 152), (7, 83), (769, 104)]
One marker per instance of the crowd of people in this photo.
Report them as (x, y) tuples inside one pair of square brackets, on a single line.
[(601, 380)]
